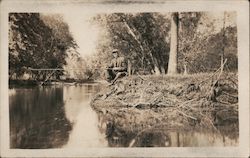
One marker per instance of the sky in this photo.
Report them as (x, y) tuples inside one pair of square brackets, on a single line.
[(84, 33)]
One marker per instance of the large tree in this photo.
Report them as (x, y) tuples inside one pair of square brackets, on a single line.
[(173, 56), (36, 43)]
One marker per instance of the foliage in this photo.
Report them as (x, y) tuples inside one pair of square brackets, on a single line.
[(140, 37), (44, 41), (202, 53), (35, 43), (144, 39), (200, 50)]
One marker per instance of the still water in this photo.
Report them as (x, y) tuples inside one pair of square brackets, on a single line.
[(61, 117)]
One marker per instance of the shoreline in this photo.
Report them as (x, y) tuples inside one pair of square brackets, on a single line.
[(34, 83), (139, 104)]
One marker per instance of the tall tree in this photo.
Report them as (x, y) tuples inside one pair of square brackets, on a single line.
[(173, 58)]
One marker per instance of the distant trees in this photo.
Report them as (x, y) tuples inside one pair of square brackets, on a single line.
[(156, 43), (36, 42)]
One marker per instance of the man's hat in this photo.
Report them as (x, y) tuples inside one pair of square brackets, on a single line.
[(115, 51)]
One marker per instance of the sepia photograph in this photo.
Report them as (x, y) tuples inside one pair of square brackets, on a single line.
[(133, 79)]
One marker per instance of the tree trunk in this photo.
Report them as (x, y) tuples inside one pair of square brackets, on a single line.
[(185, 69), (155, 64), (172, 64), (223, 47), (162, 69), (137, 38), (157, 70)]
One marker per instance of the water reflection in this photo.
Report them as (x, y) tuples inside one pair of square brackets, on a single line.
[(85, 132), (164, 137), (37, 118), (53, 117)]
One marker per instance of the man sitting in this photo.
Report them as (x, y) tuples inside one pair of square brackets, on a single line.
[(117, 68)]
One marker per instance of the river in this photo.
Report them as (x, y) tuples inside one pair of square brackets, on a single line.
[(61, 117)]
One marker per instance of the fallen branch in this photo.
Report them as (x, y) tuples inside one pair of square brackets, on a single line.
[(186, 115), (220, 68), (182, 104), (234, 96)]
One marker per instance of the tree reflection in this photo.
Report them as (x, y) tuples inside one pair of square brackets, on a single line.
[(117, 136), (37, 118)]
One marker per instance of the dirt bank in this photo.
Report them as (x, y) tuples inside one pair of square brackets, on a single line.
[(137, 104)]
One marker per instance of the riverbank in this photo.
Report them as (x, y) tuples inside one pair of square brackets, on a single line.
[(138, 104), (32, 83)]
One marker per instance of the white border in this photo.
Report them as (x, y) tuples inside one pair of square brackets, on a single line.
[(77, 6)]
